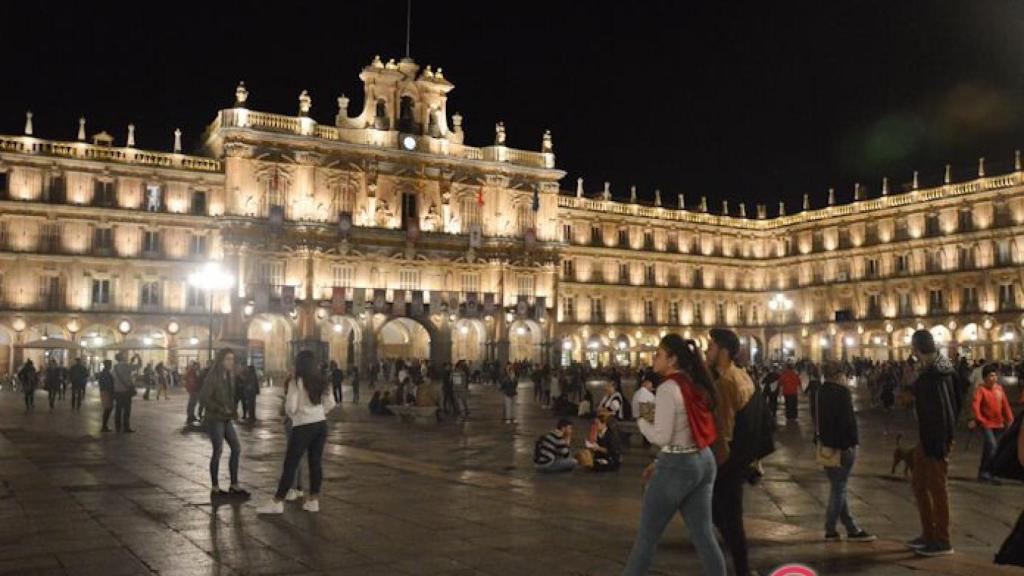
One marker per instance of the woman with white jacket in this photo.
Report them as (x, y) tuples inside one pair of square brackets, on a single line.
[(307, 403)]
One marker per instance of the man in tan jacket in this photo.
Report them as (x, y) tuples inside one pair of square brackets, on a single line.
[(734, 390)]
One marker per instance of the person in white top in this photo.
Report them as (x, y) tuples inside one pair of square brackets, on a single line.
[(643, 395), (307, 403), (682, 478), (612, 400)]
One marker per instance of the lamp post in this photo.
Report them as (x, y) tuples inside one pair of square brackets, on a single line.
[(781, 304), (209, 278)]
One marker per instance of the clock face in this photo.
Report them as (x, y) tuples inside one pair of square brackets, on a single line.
[(409, 143)]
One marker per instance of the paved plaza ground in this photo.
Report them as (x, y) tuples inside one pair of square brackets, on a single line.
[(451, 499)]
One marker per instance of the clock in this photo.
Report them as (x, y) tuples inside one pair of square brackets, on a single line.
[(409, 143)]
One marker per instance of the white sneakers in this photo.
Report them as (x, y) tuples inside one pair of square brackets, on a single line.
[(293, 495), (272, 507), (275, 507)]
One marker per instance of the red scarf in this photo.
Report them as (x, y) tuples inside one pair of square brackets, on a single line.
[(702, 421)]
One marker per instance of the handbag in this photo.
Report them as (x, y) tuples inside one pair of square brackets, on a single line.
[(823, 455)]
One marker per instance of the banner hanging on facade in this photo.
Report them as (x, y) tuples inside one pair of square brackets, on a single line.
[(417, 303), (338, 301), (379, 302), (398, 305)]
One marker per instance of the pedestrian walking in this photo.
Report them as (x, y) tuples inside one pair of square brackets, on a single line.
[(79, 376), (992, 414), (163, 377), (836, 433), (53, 382), (192, 387), (337, 378), (354, 378), (509, 392), (29, 380), (789, 381), (682, 478), (106, 385)]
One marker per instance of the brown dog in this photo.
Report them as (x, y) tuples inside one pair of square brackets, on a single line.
[(905, 455)]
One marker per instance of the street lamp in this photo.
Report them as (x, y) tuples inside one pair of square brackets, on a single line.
[(781, 304), (210, 277)]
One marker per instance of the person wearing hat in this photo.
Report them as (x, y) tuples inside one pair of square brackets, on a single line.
[(734, 390)]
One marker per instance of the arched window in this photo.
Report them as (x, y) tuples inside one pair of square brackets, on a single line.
[(406, 118), (380, 120)]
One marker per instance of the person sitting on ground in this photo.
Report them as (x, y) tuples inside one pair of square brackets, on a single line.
[(551, 452), (426, 395), (607, 451), (612, 400)]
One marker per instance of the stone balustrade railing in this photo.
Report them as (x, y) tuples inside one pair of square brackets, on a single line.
[(890, 201), (82, 150), (265, 121)]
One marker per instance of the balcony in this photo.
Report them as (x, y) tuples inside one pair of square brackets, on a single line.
[(1008, 305)]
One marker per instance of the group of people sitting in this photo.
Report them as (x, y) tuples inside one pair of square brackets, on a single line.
[(602, 450)]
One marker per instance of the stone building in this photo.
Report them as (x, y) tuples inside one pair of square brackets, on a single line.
[(382, 234)]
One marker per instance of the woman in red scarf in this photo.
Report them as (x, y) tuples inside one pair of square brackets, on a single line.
[(684, 474)]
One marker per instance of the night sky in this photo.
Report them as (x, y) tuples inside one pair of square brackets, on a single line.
[(753, 102)]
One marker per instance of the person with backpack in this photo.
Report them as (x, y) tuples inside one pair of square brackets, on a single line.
[(734, 390), (682, 478), (992, 413), (551, 452), (937, 405), (836, 427)]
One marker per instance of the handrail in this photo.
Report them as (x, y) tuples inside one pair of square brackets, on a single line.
[(29, 145)]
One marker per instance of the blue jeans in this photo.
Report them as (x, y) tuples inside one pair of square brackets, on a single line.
[(221, 430), (988, 450), (557, 465), (838, 508), (681, 483)]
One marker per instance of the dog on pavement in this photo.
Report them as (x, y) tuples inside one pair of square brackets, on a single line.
[(901, 454)]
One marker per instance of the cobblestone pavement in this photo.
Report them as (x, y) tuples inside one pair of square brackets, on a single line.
[(453, 498)]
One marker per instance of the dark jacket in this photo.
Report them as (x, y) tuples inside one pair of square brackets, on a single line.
[(938, 405), (106, 381), (836, 423), (217, 396), (78, 374)]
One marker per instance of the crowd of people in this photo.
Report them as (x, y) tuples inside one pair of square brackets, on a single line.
[(707, 420)]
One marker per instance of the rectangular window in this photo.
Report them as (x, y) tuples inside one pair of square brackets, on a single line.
[(270, 273), (741, 314), (720, 313), (103, 239), (151, 242), (649, 312), (197, 245), (965, 222), (969, 299), (100, 291), (409, 279), (470, 282), (906, 307), (902, 264), (194, 297), (595, 236), (569, 309), (567, 233), (1007, 297), (524, 285), (673, 312), (470, 209), (342, 275), (596, 310), (103, 194), (567, 270), (651, 275), (1003, 253), (754, 316), (648, 240), (154, 198), (936, 302), (623, 238), (698, 313), (872, 267), (198, 205), (624, 273), (150, 293), (874, 305)]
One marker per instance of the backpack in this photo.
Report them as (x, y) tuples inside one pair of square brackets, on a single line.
[(754, 431), (1005, 462)]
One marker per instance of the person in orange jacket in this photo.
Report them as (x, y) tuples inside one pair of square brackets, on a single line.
[(993, 414), (789, 381)]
